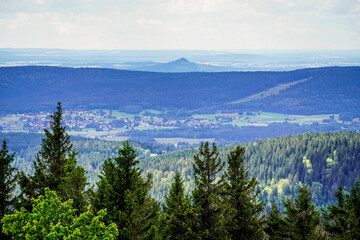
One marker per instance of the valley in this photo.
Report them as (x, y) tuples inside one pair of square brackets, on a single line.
[(179, 120), (108, 124)]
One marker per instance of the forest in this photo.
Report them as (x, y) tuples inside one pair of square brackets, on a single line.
[(322, 161), (330, 90), (235, 192)]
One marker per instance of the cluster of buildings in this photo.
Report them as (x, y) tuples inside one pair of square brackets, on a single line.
[(105, 121)]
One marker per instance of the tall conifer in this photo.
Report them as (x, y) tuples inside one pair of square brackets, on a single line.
[(342, 221), (301, 216), (179, 214), (275, 227), (207, 193), (124, 193), (241, 194), (55, 167), (7, 184)]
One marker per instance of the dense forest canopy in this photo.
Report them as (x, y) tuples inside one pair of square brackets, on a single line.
[(322, 161), (333, 89)]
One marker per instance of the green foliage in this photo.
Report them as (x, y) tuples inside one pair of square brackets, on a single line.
[(7, 183), (242, 196), (55, 168), (179, 214), (52, 219), (342, 221), (123, 191), (301, 217), (207, 193), (277, 163), (275, 227), (224, 204), (73, 183)]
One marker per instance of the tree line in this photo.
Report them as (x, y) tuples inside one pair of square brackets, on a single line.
[(330, 89), (54, 202)]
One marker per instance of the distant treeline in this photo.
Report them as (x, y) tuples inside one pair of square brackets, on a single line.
[(36, 88), (228, 134)]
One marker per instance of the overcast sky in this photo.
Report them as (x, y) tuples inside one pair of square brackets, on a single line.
[(180, 24)]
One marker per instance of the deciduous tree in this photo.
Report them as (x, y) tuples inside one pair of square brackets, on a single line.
[(52, 219)]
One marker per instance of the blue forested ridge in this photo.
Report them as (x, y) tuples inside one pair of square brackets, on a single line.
[(37, 88)]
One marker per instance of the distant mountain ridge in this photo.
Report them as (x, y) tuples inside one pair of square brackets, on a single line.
[(181, 65), (327, 90)]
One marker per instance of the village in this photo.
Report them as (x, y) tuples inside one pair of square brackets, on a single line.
[(164, 127), (108, 121)]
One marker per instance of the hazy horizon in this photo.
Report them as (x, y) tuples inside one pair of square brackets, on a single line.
[(180, 24), (199, 60)]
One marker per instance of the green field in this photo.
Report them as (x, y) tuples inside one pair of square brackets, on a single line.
[(266, 118), (12, 123), (187, 140), (204, 116), (152, 111)]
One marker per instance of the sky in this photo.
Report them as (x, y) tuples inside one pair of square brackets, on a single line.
[(180, 24)]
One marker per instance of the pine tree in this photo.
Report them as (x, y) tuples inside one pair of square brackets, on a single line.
[(179, 215), (73, 184), (207, 194), (124, 193), (55, 167), (336, 216), (275, 227), (7, 184), (245, 207), (301, 216), (342, 221)]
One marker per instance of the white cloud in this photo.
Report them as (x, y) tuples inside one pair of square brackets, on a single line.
[(180, 24)]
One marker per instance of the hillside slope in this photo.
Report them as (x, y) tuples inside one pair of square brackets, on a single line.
[(328, 90), (322, 161)]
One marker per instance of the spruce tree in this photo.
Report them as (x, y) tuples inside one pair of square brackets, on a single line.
[(207, 194), (301, 216), (179, 214), (7, 184), (243, 214), (55, 167), (275, 227), (342, 221), (124, 193)]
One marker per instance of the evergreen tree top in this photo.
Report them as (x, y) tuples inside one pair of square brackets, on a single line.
[(207, 164), (56, 143)]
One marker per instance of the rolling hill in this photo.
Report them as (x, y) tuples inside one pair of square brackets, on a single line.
[(326, 90), (322, 161), (182, 65)]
